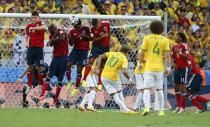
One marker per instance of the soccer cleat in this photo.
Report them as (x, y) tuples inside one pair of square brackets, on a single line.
[(208, 105), (84, 84), (99, 87), (90, 109), (131, 113), (68, 86), (200, 111), (145, 112), (176, 110), (81, 108), (181, 110), (41, 98), (161, 113), (74, 92)]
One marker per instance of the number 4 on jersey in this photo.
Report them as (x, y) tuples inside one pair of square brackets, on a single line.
[(156, 49)]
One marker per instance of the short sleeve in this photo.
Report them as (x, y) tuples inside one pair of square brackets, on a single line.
[(124, 63), (167, 46), (144, 44), (107, 54)]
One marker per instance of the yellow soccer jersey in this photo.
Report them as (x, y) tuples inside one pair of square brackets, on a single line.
[(115, 62), (155, 45)]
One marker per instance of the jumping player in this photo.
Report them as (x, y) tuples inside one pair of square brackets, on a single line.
[(180, 53), (34, 41), (57, 39), (116, 61), (157, 47), (79, 37), (101, 41)]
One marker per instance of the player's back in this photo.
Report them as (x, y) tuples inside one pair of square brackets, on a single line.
[(115, 62), (155, 46)]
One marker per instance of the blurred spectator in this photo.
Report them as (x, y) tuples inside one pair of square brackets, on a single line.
[(157, 10), (124, 11), (125, 4), (50, 7), (66, 9), (6, 47), (183, 20), (110, 8), (85, 7)]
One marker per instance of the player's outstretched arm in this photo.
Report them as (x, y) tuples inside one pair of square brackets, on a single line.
[(167, 56)]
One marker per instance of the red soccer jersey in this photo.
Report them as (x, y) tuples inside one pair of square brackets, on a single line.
[(195, 68), (181, 21), (79, 42), (60, 48), (36, 37), (103, 28), (179, 61)]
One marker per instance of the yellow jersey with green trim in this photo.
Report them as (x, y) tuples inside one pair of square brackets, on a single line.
[(155, 46), (115, 62)]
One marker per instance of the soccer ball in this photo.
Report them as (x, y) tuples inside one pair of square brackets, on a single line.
[(73, 20)]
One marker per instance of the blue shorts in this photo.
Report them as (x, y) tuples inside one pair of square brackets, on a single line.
[(181, 75), (194, 82), (78, 57), (35, 56), (98, 50), (58, 67)]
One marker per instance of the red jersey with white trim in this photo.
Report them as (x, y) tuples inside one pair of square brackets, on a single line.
[(179, 61), (96, 32), (36, 37), (79, 42), (195, 68), (60, 48)]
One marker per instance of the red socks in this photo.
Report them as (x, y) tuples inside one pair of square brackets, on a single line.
[(58, 90), (44, 88), (87, 70), (202, 99), (183, 101), (178, 100), (99, 77), (68, 75), (78, 79), (30, 78), (196, 103), (40, 78)]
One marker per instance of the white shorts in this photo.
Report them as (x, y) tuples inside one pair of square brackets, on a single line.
[(91, 81), (111, 86), (153, 79), (139, 81)]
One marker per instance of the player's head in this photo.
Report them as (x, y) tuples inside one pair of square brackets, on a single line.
[(125, 49), (74, 21), (180, 38), (95, 22), (34, 16), (52, 28), (157, 27)]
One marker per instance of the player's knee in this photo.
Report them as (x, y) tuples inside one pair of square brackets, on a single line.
[(91, 61), (60, 84)]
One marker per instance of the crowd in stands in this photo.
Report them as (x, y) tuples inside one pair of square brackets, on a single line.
[(188, 16)]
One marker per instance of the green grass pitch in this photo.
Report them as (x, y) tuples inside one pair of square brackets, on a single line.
[(105, 118)]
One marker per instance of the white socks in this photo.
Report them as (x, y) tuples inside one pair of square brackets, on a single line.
[(120, 103), (139, 99), (146, 98), (160, 97), (91, 98), (85, 99), (120, 94)]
